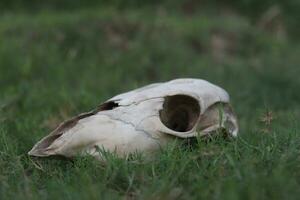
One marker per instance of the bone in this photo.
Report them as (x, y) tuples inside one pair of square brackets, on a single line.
[(143, 120)]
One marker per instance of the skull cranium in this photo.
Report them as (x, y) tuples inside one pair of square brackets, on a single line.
[(144, 120)]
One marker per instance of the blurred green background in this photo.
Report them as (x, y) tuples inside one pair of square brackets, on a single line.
[(60, 58)]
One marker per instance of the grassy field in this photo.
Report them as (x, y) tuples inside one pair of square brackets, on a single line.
[(54, 65)]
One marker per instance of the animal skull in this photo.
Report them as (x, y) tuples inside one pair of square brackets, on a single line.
[(143, 120)]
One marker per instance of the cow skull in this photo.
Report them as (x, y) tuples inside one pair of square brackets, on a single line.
[(143, 120)]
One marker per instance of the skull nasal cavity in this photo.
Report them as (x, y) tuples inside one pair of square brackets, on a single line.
[(180, 112)]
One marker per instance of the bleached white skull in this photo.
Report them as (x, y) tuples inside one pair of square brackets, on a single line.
[(143, 120)]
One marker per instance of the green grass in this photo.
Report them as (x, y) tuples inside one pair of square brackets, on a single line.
[(54, 65)]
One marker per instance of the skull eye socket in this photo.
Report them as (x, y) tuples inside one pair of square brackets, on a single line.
[(180, 112)]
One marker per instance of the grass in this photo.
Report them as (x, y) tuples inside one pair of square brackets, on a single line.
[(54, 65)]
